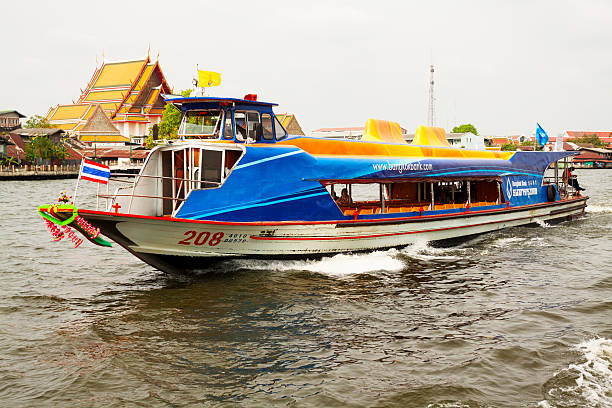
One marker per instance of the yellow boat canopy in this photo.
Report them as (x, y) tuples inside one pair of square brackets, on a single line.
[(377, 130), (430, 136)]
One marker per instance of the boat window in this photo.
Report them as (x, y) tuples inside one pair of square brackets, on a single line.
[(211, 168), (365, 192), (195, 169), (241, 127), (281, 133), (415, 196), (252, 122), (231, 158), (228, 131), (266, 123), (247, 125), (202, 124)]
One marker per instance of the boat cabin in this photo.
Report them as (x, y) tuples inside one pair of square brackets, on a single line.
[(174, 170), (386, 197), (228, 119)]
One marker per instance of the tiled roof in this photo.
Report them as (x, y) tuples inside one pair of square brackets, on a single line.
[(68, 112), (102, 138), (37, 131), (115, 74), (115, 152), (582, 133), (3, 112)]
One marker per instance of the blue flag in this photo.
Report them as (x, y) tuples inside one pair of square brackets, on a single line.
[(541, 136)]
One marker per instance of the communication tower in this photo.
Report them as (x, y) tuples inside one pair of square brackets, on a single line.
[(431, 113)]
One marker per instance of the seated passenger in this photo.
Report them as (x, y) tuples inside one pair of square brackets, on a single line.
[(573, 180), (241, 133), (344, 199), (333, 194)]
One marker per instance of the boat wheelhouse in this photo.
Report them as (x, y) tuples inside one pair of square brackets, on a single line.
[(236, 184)]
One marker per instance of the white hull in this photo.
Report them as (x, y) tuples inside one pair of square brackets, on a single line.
[(203, 239)]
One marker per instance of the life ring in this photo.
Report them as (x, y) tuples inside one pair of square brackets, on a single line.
[(551, 193)]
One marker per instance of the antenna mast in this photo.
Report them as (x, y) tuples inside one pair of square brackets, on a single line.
[(431, 113)]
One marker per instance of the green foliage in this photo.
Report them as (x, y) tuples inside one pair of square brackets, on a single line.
[(509, 147), (167, 128), (171, 120), (467, 128), (149, 142), (591, 139), (169, 125), (528, 143), (8, 161), (37, 121), (41, 147)]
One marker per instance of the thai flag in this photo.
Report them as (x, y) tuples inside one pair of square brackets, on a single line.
[(96, 172)]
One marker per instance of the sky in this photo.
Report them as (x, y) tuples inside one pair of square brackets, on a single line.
[(499, 65)]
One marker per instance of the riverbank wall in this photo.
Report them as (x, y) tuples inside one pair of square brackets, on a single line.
[(39, 172)]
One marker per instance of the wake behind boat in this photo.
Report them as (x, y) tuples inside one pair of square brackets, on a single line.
[(237, 185)]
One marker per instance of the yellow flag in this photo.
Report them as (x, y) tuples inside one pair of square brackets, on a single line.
[(208, 78)]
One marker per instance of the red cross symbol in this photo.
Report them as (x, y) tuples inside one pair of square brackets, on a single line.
[(116, 206)]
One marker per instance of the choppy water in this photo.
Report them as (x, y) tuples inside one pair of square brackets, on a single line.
[(519, 318)]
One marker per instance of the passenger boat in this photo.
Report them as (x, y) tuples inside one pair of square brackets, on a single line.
[(237, 185)]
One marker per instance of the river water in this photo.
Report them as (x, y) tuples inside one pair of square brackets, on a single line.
[(517, 318)]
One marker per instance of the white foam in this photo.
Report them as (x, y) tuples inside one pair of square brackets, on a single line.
[(337, 265), (542, 223), (594, 381), (594, 208), (422, 250), (504, 242)]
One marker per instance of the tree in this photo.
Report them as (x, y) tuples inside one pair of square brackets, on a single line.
[(37, 121), (169, 125), (42, 147), (8, 161), (467, 128), (167, 128), (591, 139), (509, 147)]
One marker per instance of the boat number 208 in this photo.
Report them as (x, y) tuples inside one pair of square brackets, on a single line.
[(201, 238)]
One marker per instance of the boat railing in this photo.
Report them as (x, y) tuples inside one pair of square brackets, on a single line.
[(564, 186), (184, 187)]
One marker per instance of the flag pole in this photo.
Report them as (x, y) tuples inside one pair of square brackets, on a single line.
[(76, 188)]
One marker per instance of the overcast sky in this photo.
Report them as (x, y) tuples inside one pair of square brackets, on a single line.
[(500, 65)]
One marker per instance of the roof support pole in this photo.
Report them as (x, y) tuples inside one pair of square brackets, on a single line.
[(382, 198), (469, 199), (432, 196), (499, 198), (557, 175)]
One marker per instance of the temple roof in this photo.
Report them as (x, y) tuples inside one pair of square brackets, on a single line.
[(69, 117), (102, 138), (127, 91)]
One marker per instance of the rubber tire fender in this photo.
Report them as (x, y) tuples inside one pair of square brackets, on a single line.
[(551, 193)]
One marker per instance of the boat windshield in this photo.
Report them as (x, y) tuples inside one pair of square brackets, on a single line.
[(201, 124)]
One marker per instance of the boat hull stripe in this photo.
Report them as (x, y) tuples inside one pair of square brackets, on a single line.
[(280, 156), (245, 207), (473, 212), (256, 237)]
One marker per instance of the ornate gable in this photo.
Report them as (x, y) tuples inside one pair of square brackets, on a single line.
[(99, 122)]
